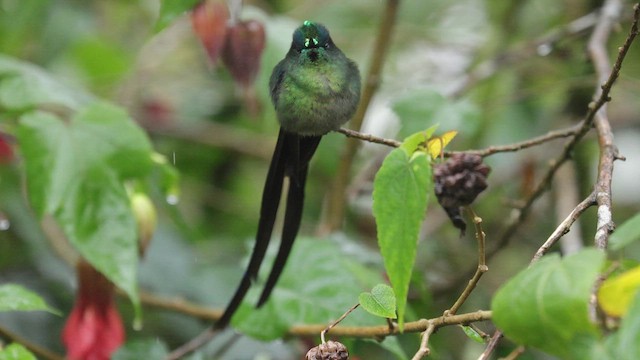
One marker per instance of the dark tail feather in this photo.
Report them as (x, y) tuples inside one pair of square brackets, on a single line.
[(298, 168), (268, 210)]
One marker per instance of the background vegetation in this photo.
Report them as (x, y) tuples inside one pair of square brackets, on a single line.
[(498, 72)]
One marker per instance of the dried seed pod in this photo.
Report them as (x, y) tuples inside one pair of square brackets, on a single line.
[(209, 21), (331, 350), (458, 181), (243, 49)]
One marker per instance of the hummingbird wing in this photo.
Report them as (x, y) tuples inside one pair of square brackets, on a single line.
[(300, 150), (268, 210)]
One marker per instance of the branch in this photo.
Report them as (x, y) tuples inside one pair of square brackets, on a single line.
[(491, 150), (424, 343), (482, 265), (608, 151), (565, 226), (601, 98), (38, 350), (385, 330), (335, 209)]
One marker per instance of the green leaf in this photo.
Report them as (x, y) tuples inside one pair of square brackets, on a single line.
[(24, 86), (75, 171), (381, 301), (626, 233), (97, 219), (625, 343), (142, 349), (17, 298), (472, 334), (400, 194), (171, 9), (546, 305), (317, 286), (16, 352), (413, 142)]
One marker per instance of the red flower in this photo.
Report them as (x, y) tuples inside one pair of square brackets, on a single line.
[(94, 329), (6, 149), (209, 21)]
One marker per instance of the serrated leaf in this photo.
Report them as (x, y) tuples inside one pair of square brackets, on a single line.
[(472, 334), (317, 286), (16, 298), (615, 294), (626, 233), (381, 301), (400, 194), (97, 219), (170, 10), (16, 352), (25, 86), (546, 305), (75, 171)]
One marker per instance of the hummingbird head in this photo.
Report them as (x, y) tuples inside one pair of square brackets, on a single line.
[(310, 38)]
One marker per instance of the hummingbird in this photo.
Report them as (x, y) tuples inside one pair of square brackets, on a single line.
[(315, 89)]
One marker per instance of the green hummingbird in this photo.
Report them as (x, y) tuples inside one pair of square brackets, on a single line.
[(315, 89)]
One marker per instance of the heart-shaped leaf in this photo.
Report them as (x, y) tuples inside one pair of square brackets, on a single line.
[(381, 301)]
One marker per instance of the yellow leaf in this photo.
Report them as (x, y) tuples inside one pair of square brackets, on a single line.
[(436, 144), (615, 294)]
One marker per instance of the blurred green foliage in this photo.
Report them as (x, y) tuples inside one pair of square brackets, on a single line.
[(196, 118)]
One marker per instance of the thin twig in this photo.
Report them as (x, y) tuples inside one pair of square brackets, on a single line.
[(491, 150), (370, 138), (38, 350), (608, 151), (333, 324), (515, 353), (194, 344), (202, 312), (519, 215), (491, 346), (482, 266), (424, 343), (564, 226), (334, 214), (602, 97)]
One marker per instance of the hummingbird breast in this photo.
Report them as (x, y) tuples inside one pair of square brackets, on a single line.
[(318, 96)]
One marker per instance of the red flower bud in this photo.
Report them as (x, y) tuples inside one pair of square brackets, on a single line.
[(209, 21), (94, 329), (6, 149), (243, 49)]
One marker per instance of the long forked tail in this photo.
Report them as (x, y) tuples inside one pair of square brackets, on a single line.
[(268, 210), (297, 170)]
